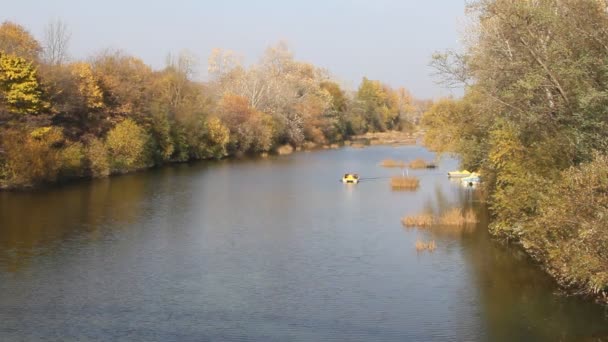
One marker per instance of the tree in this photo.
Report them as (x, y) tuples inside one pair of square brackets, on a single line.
[(125, 82), (221, 62), (19, 88), (16, 40), (534, 120), (377, 104), (56, 40)]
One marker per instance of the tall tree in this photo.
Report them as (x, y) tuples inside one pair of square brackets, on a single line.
[(56, 41), (16, 40)]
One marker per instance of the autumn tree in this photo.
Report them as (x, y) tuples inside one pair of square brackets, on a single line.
[(535, 106), (19, 89), (16, 40)]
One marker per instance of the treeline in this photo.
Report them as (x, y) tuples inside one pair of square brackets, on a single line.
[(63, 119), (534, 120)]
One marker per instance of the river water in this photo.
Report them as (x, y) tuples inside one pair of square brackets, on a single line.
[(272, 249)]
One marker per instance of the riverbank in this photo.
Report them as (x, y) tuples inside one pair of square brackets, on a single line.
[(92, 158)]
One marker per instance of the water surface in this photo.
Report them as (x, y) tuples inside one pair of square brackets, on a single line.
[(268, 250)]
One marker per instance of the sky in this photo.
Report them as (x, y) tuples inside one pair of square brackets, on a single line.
[(388, 40)]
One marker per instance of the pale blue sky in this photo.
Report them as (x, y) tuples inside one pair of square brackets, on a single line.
[(388, 40)]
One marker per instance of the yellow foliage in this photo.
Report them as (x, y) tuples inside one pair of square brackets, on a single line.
[(126, 144), (71, 160), (31, 158), (19, 88), (97, 156), (16, 40), (87, 84), (219, 135)]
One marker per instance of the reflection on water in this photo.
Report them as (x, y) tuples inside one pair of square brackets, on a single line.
[(274, 249)]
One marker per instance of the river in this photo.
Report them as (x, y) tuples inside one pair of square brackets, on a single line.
[(273, 249)]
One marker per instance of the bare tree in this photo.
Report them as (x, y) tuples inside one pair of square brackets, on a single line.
[(56, 39)]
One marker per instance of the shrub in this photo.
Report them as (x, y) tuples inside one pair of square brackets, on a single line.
[(126, 145), (570, 234), (97, 157), (31, 157), (71, 160)]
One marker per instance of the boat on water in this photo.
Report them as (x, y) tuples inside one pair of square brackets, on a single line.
[(350, 178), (459, 174)]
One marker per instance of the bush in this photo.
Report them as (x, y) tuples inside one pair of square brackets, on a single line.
[(31, 157), (71, 160), (126, 144), (570, 234), (97, 157)]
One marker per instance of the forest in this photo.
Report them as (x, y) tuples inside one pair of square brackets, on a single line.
[(534, 121), (112, 113)]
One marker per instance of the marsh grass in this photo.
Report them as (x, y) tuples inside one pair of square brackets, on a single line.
[(404, 183), (458, 217), (392, 163), (418, 164), (422, 246), (422, 221), (452, 221)]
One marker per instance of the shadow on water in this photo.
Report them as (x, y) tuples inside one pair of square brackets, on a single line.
[(518, 301), (34, 222)]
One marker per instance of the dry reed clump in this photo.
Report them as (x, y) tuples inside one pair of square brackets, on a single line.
[(418, 164), (392, 163), (458, 217), (422, 221), (404, 183), (421, 245)]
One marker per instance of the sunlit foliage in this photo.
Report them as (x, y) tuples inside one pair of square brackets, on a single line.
[(533, 117)]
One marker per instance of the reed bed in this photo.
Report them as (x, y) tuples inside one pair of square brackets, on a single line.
[(392, 163), (422, 246), (404, 183), (418, 164), (453, 221), (422, 221), (458, 217)]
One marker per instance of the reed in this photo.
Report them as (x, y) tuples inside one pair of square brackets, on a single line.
[(404, 183), (418, 164), (422, 221), (458, 217), (392, 163), (422, 246)]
